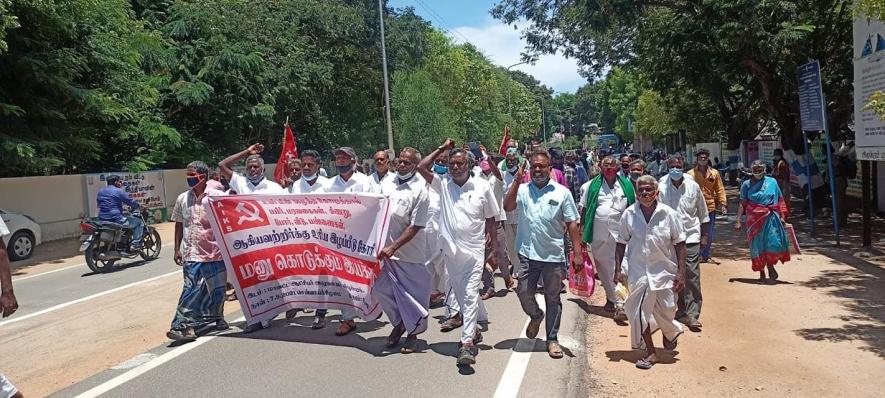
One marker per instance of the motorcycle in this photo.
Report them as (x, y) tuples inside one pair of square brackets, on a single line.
[(105, 242)]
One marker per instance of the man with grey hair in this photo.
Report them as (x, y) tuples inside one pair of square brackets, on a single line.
[(254, 180), (403, 287), (652, 236), (382, 174), (202, 298), (685, 196)]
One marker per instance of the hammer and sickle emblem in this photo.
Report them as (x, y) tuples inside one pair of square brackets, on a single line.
[(251, 214)]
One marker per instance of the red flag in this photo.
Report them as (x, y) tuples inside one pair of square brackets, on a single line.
[(503, 148), (290, 151)]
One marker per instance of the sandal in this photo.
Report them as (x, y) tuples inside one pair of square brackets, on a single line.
[(554, 350), (318, 322), (345, 328), (644, 364), (410, 345)]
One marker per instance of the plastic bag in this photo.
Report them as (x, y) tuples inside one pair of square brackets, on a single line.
[(582, 283)]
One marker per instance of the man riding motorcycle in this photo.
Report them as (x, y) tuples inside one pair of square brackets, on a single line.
[(110, 208)]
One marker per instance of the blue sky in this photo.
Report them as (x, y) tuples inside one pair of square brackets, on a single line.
[(469, 20)]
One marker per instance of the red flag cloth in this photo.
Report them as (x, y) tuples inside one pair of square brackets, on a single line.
[(290, 151), (503, 148)]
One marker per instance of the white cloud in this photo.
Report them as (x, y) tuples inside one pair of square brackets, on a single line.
[(503, 45)]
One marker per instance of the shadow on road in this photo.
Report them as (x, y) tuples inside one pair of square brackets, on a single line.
[(751, 281), (538, 346), (664, 357), (118, 268)]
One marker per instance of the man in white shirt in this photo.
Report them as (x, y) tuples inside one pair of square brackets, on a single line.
[(403, 287), (435, 262), (511, 162), (467, 212), (651, 234), (608, 195), (310, 181), (348, 180), (685, 196), (382, 172), (492, 175), (254, 181)]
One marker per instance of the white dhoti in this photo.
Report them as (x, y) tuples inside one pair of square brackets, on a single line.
[(403, 290), (604, 259), (651, 309), (510, 242), (465, 278), (435, 264)]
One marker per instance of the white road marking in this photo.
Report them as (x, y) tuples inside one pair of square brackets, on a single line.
[(87, 298), (144, 368), (62, 269), (511, 380), (137, 360)]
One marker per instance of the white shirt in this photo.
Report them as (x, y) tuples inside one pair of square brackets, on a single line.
[(242, 186), (582, 201), (497, 187), (609, 207), (650, 246), (389, 177), (409, 203), (463, 213), (358, 182), (302, 186), (688, 201), (512, 217)]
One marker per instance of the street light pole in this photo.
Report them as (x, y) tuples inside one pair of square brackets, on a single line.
[(509, 106), (386, 88)]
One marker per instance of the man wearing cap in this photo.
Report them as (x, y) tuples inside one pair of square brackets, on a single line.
[(347, 180), (467, 212)]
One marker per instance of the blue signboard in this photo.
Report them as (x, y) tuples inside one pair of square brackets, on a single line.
[(811, 97)]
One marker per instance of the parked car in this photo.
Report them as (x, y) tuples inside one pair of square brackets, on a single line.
[(24, 235)]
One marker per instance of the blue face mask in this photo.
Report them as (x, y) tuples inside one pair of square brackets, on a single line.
[(309, 178), (344, 169), (440, 169), (256, 180), (193, 181), (675, 174)]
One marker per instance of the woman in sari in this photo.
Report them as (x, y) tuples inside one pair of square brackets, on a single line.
[(766, 210)]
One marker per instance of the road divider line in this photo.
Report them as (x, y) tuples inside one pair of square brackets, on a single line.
[(511, 379), (87, 298), (146, 367), (59, 270)]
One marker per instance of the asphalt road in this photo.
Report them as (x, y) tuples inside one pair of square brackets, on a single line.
[(51, 331)]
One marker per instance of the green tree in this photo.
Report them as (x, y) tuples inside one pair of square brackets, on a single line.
[(423, 120), (653, 118)]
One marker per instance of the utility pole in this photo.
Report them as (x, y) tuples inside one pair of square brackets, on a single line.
[(384, 67), (509, 106)]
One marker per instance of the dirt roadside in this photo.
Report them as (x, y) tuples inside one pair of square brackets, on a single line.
[(819, 332)]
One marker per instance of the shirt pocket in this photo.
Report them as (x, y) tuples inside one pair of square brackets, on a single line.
[(401, 209)]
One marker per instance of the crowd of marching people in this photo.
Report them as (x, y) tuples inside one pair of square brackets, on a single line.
[(535, 216)]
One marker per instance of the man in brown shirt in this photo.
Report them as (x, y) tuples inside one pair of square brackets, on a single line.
[(781, 173), (714, 194)]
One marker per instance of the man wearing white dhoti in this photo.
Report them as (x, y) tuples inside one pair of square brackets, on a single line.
[(403, 287), (467, 212), (652, 235)]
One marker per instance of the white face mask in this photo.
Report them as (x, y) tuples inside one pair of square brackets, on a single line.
[(759, 175)]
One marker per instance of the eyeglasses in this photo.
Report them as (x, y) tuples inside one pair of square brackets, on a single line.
[(380, 160)]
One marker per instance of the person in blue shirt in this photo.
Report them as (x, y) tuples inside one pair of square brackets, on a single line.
[(110, 208)]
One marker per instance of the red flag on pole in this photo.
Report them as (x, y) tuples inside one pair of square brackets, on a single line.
[(290, 151), (503, 148)]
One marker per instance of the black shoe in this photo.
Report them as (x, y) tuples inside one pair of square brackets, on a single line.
[(253, 328), (466, 356), (609, 306), (186, 335), (221, 325)]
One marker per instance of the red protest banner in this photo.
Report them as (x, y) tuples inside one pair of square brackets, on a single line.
[(301, 251)]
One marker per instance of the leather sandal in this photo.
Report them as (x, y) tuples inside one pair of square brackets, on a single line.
[(345, 328), (554, 350), (395, 335)]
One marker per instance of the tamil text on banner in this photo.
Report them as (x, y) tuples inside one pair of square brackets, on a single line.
[(147, 188), (301, 251)]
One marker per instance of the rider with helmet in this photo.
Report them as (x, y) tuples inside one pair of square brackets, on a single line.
[(110, 208)]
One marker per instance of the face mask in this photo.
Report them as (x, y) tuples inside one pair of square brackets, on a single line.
[(635, 176), (344, 169), (646, 199), (759, 175), (676, 174), (440, 169), (512, 170), (256, 180), (405, 177), (609, 172), (625, 166), (540, 180), (193, 181), (484, 166), (702, 162), (309, 178)]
